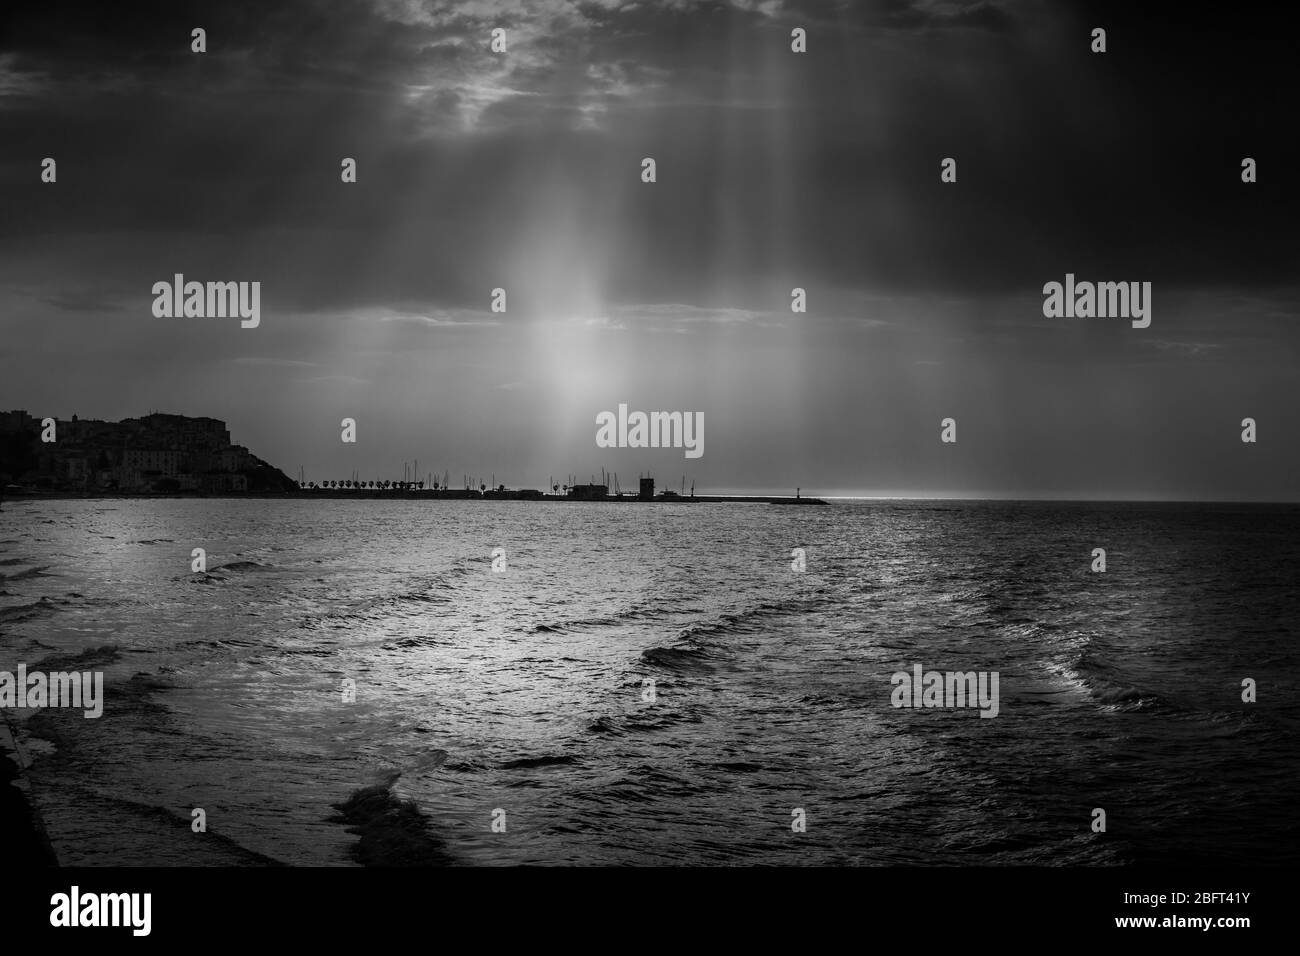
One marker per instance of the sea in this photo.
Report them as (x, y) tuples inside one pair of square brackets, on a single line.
[(489, 683)]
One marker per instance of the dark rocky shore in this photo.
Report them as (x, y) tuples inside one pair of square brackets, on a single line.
[(25, 841)]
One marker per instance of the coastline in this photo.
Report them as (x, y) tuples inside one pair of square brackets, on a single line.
[(25, 836), (388, 495)]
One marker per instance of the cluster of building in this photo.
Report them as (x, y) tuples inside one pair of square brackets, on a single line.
[(153, 453), (595, 492)]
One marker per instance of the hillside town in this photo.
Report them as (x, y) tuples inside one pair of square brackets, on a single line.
[(156, 453)]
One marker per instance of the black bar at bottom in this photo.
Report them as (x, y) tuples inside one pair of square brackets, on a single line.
[(451, 907)]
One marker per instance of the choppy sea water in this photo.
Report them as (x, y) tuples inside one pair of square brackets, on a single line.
[(522, 690)]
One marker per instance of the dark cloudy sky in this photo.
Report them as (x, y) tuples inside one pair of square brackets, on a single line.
[(775, 170)]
